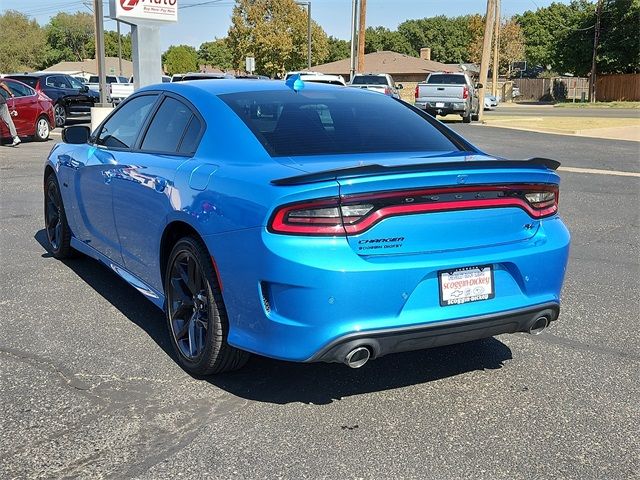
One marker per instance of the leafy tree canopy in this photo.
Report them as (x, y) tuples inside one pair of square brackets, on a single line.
[(275, 33), (22, 43), (180, 59), (216, 53)]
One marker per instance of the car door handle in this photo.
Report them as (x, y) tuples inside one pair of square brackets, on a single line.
[(440, 88)]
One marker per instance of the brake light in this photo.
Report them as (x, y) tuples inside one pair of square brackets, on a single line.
[(465, 92), (416, 92), (354, 214), (387, 91)]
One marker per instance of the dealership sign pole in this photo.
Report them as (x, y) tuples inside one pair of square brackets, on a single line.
[(145, 17)]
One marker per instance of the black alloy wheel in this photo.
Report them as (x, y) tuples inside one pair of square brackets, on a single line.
[(60, 114), (55, 218), (195, 312)]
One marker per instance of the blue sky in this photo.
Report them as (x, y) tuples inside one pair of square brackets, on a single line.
[(201, 23)]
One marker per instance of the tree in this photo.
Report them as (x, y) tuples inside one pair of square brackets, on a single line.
[(180, 59), (619, 50), (382, 39), (338, 49), (70, 37), (111, 45), (511, 46), (22, 43), (216, 53), (275, 33), (448, 38)]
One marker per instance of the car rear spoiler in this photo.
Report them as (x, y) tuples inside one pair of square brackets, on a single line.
[(376, 169)]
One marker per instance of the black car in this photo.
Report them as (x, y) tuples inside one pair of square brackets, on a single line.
[(69, 96)]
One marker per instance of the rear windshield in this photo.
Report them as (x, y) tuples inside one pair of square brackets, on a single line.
[(31, 81), (369, 80), (447, 79), (328, 122)]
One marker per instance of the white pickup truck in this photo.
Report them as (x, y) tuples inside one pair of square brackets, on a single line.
[(376, 82), (118, 87), (443, 93)]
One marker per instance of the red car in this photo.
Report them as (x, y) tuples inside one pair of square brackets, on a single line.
[(31, 111)]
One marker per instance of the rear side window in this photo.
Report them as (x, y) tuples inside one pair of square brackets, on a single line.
[(123, 128), (167, 127), (19, 90), (447, 79), (189, 143), (31, 81), (336, 121), (369, 80)]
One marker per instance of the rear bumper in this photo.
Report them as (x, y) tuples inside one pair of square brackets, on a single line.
[(446, 108), (301, 298), (383, 342)]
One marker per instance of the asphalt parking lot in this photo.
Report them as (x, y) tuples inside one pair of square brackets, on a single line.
[(89, 387)]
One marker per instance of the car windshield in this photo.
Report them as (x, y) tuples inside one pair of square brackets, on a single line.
[(444, 79), (334, 121), (369, 80), (31, 81)]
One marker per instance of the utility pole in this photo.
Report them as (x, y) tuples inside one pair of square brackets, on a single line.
[(119, 49), (361, 29), (486, 53), (354, 37), (99, 18), (496, 46), (309, 34), (596, 40)]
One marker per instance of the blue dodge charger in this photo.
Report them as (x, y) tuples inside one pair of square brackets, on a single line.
[(307, 223)]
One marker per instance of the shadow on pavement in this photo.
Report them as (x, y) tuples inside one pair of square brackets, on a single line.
[(274, 381)]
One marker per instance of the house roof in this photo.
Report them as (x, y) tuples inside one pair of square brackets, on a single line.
[(387, 62), (90, 66)]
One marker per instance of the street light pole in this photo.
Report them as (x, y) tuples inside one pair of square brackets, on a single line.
[(496, 46), (361, 33), (486, 54), (308, 5), (354, 27), (119, 49), (99, 19)]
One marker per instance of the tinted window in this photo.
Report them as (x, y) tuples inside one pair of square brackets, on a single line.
[(369, 80), (58, 81), (31, 81), (74, 83), (18, 89), (122, 129), (447, 79), (189, 143), (334, 121), (167, 127)]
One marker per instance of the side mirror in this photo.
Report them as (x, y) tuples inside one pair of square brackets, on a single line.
[(76, 135), (479, 85), (399, 86), (84, 89)]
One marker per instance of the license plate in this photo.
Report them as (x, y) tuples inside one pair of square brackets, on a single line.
[(464, 285), (439, 105)]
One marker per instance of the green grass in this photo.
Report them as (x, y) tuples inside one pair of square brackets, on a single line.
[(599, 105)]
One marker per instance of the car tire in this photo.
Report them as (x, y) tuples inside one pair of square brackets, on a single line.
[(475, 117), (55, 220), (195, 312), (60, 114), (42, 130), (466, 118)]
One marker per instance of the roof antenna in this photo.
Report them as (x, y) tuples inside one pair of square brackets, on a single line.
[(295, 83)]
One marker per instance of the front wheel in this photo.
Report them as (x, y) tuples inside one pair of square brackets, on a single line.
[(196, 316), (60, 113), (55, 219), (42, 130)]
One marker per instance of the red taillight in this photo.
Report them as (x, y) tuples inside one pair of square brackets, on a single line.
[(465, 92), (416, 92), (387, 91), (353, 214)]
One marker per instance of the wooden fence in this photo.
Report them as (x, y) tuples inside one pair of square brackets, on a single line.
[(623, 87), (556, 88)]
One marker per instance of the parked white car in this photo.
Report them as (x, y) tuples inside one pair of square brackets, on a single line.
[(317, 77), (376, 82)]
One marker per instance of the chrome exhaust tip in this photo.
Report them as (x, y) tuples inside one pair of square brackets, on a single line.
[(357, 357), (539, 325)]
